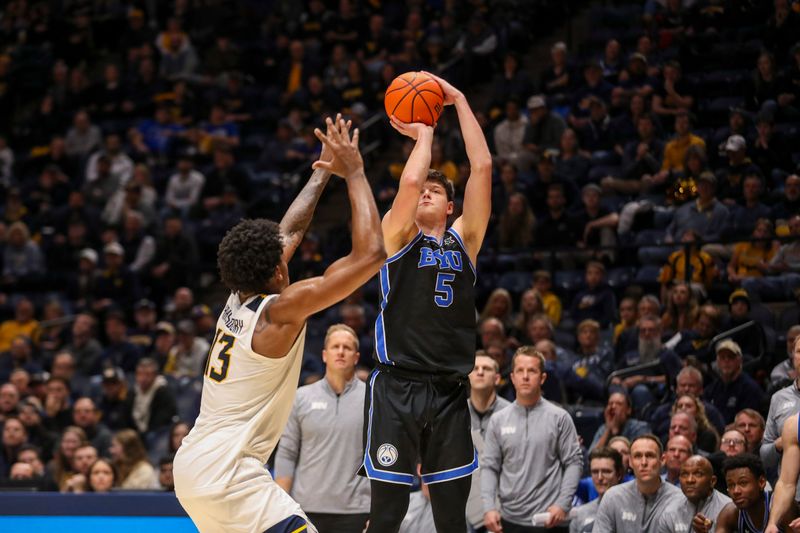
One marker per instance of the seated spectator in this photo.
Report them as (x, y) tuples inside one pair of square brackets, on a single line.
[(629, 339), (733, 443), (702, 267), (675, 150), (595, 132), (771, 151), (188, 356), (500, 306), (749, 257), (767, 89), (783, 270), (597, 300), (517, 224), (57, 405), (165, 477), (102, 476), (688, 383), (121, 164), (100, 190), (82, 460), (83, 138), (508, 136), (611, 61), (543, 283), (530, 304), (701, 503), (119, 351), (116, 285), (744, 215), (557, 226), (60, 467), (750, 423), (175, 259), (682, 308), (618, 422), (30, 415), (23, 262), (20, 355), (672, 94), (677, 451), (544, 128), (696, 340), (572, 164), (86, 416), (643, 499), (627, 317), (160, 135), (785, 372), (641, 159), (130, 459), (637, 78), (596, 224), (9, 400), (184, 187), (14, 436), (606, 469), (739, 314), (217, 131), (544, 179), (707, 436), (732, 390), (593, 87), (558, 78), (153, 403), (83, 344), (731, 176), (585, 381), (177, 433), (115, 401), (31, 455)]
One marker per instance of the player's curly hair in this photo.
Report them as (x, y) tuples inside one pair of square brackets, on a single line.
[(744, 460), (248, 255)]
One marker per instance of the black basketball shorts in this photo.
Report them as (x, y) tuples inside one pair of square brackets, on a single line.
[(412, 419)]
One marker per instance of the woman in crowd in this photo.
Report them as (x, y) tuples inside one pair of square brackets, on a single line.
[(130, 459)]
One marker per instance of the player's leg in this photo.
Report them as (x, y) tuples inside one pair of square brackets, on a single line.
[(448, 456), (339, 523), (388, 506)]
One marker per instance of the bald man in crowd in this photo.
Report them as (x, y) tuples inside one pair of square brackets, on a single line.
[(697, 510)]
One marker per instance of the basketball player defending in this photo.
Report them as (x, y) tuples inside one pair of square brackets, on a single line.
[(416, 405), (254, 362)]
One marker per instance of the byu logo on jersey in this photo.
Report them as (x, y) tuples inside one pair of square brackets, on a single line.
[(445, 259), (387, 455)]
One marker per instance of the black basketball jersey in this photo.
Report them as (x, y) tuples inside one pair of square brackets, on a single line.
[(427, 314)]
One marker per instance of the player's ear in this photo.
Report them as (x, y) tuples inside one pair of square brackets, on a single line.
[(450, 207)]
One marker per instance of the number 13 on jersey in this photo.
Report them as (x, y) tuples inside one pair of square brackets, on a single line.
[(219, 356)]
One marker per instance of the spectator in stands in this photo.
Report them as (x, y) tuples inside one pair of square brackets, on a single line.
[(707, 436), (9, 400), (543, 283), (785, 372), (748, 339), (606, 469), (749, 257), (544, 128), (702, 503), (544, 179), (23, 324), (707, 216), (19, 356), (86, 416), (696, 265), (682, 308), (650, 349), (597, 300), (558, 77), (733, 442), (771, 151), (143, 332), (130, 459), (572, 163), (696, 341), (163, 343), (31, 455), (115, 402), (177, 433), (57, 405), (596, 224), (557, 226), (60, 467), (677, 451), (783, 269), (153, 403), (517, 224), (500, 306), (82, 460), (508, 137), (30, 414), (618, 421), (641, 501), (586, 378), (119, 351), (675, 150), (184, 187), (629, 339), (83, 138), (550, 457), (102, 476), (165, 477), (23, 262), (175, 259), (730, 177), (733, 390), (14, 436), (789, 204), (750, 423), (121, 164), (596, 133), (187, 357), (100, 190), (767, 90), (673, 94), (83, 345), (593, 86), (116, 285), (627, 317)]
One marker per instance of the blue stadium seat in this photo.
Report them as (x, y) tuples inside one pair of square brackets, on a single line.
[(568, 280)]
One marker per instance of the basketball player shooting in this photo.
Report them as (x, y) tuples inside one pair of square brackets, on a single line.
[(254, 363), (416, 405)]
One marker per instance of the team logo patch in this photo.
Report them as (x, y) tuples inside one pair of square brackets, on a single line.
[(387, 455)]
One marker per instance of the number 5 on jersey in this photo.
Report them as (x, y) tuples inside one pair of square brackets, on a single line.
[(444, 291), (220, 353)]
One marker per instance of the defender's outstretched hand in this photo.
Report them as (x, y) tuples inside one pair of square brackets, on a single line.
[(346, 157)]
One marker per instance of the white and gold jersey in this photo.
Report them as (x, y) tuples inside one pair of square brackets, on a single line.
[(246, 401)]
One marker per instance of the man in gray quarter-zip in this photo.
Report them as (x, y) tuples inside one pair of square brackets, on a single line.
[(320, 450), (697, 512), (483, 403), (605, 465), (531, 456), (636, 506), (784, 404)]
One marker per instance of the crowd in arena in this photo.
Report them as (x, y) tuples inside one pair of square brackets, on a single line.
[(646, 199)]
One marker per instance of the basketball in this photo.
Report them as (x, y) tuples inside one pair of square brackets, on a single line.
[(414, 97)]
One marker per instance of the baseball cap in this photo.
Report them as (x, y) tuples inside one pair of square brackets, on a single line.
[(113, 248), (739, 294), (113, 374), (536, 101), (165, 327), (735, 143), (89, 254), (637, 55), (730, 346)]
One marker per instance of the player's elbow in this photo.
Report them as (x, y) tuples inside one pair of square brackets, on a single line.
[(482, 165)]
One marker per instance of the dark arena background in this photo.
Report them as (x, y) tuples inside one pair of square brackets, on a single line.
[(645, 209)]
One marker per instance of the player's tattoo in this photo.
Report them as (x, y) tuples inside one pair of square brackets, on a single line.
[(263, 320), (297, 218)]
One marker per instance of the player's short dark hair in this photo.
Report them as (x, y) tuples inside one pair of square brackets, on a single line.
[(650, 437), (248, 255), (167, 459), (441, 179), (744, 460), (605, 452)]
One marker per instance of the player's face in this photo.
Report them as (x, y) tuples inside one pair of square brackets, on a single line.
[(433, 201), (743, 487), (697, 479), (645, 460), (604, 476), (527, 376), (483, 375), (340, 351)]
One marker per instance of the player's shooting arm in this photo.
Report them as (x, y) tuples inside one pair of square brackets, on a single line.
[(306, 297), (783, 498), (471, 225), (297, 218), (399, 224)]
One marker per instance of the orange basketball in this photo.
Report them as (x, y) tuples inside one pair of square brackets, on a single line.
[(414, 97)]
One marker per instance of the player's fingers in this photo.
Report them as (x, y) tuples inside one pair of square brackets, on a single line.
[(355, 138), (324, 165), (346, 128), (324, 139)]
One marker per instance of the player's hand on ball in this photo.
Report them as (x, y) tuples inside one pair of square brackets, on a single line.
[(450, 92), (413, 130), (346, 158)]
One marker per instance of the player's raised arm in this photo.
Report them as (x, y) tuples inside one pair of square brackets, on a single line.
[(297, 218), (471, 225), (783, 498), (399, 224), (304, 298)]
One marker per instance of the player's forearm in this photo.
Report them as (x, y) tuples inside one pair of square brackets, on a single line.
[(366, 224), (781, 502), (285, 483), (297, 218), (474, 140), (416, 170)]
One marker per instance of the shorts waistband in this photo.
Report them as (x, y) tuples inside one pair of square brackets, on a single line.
[(418, 375)]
